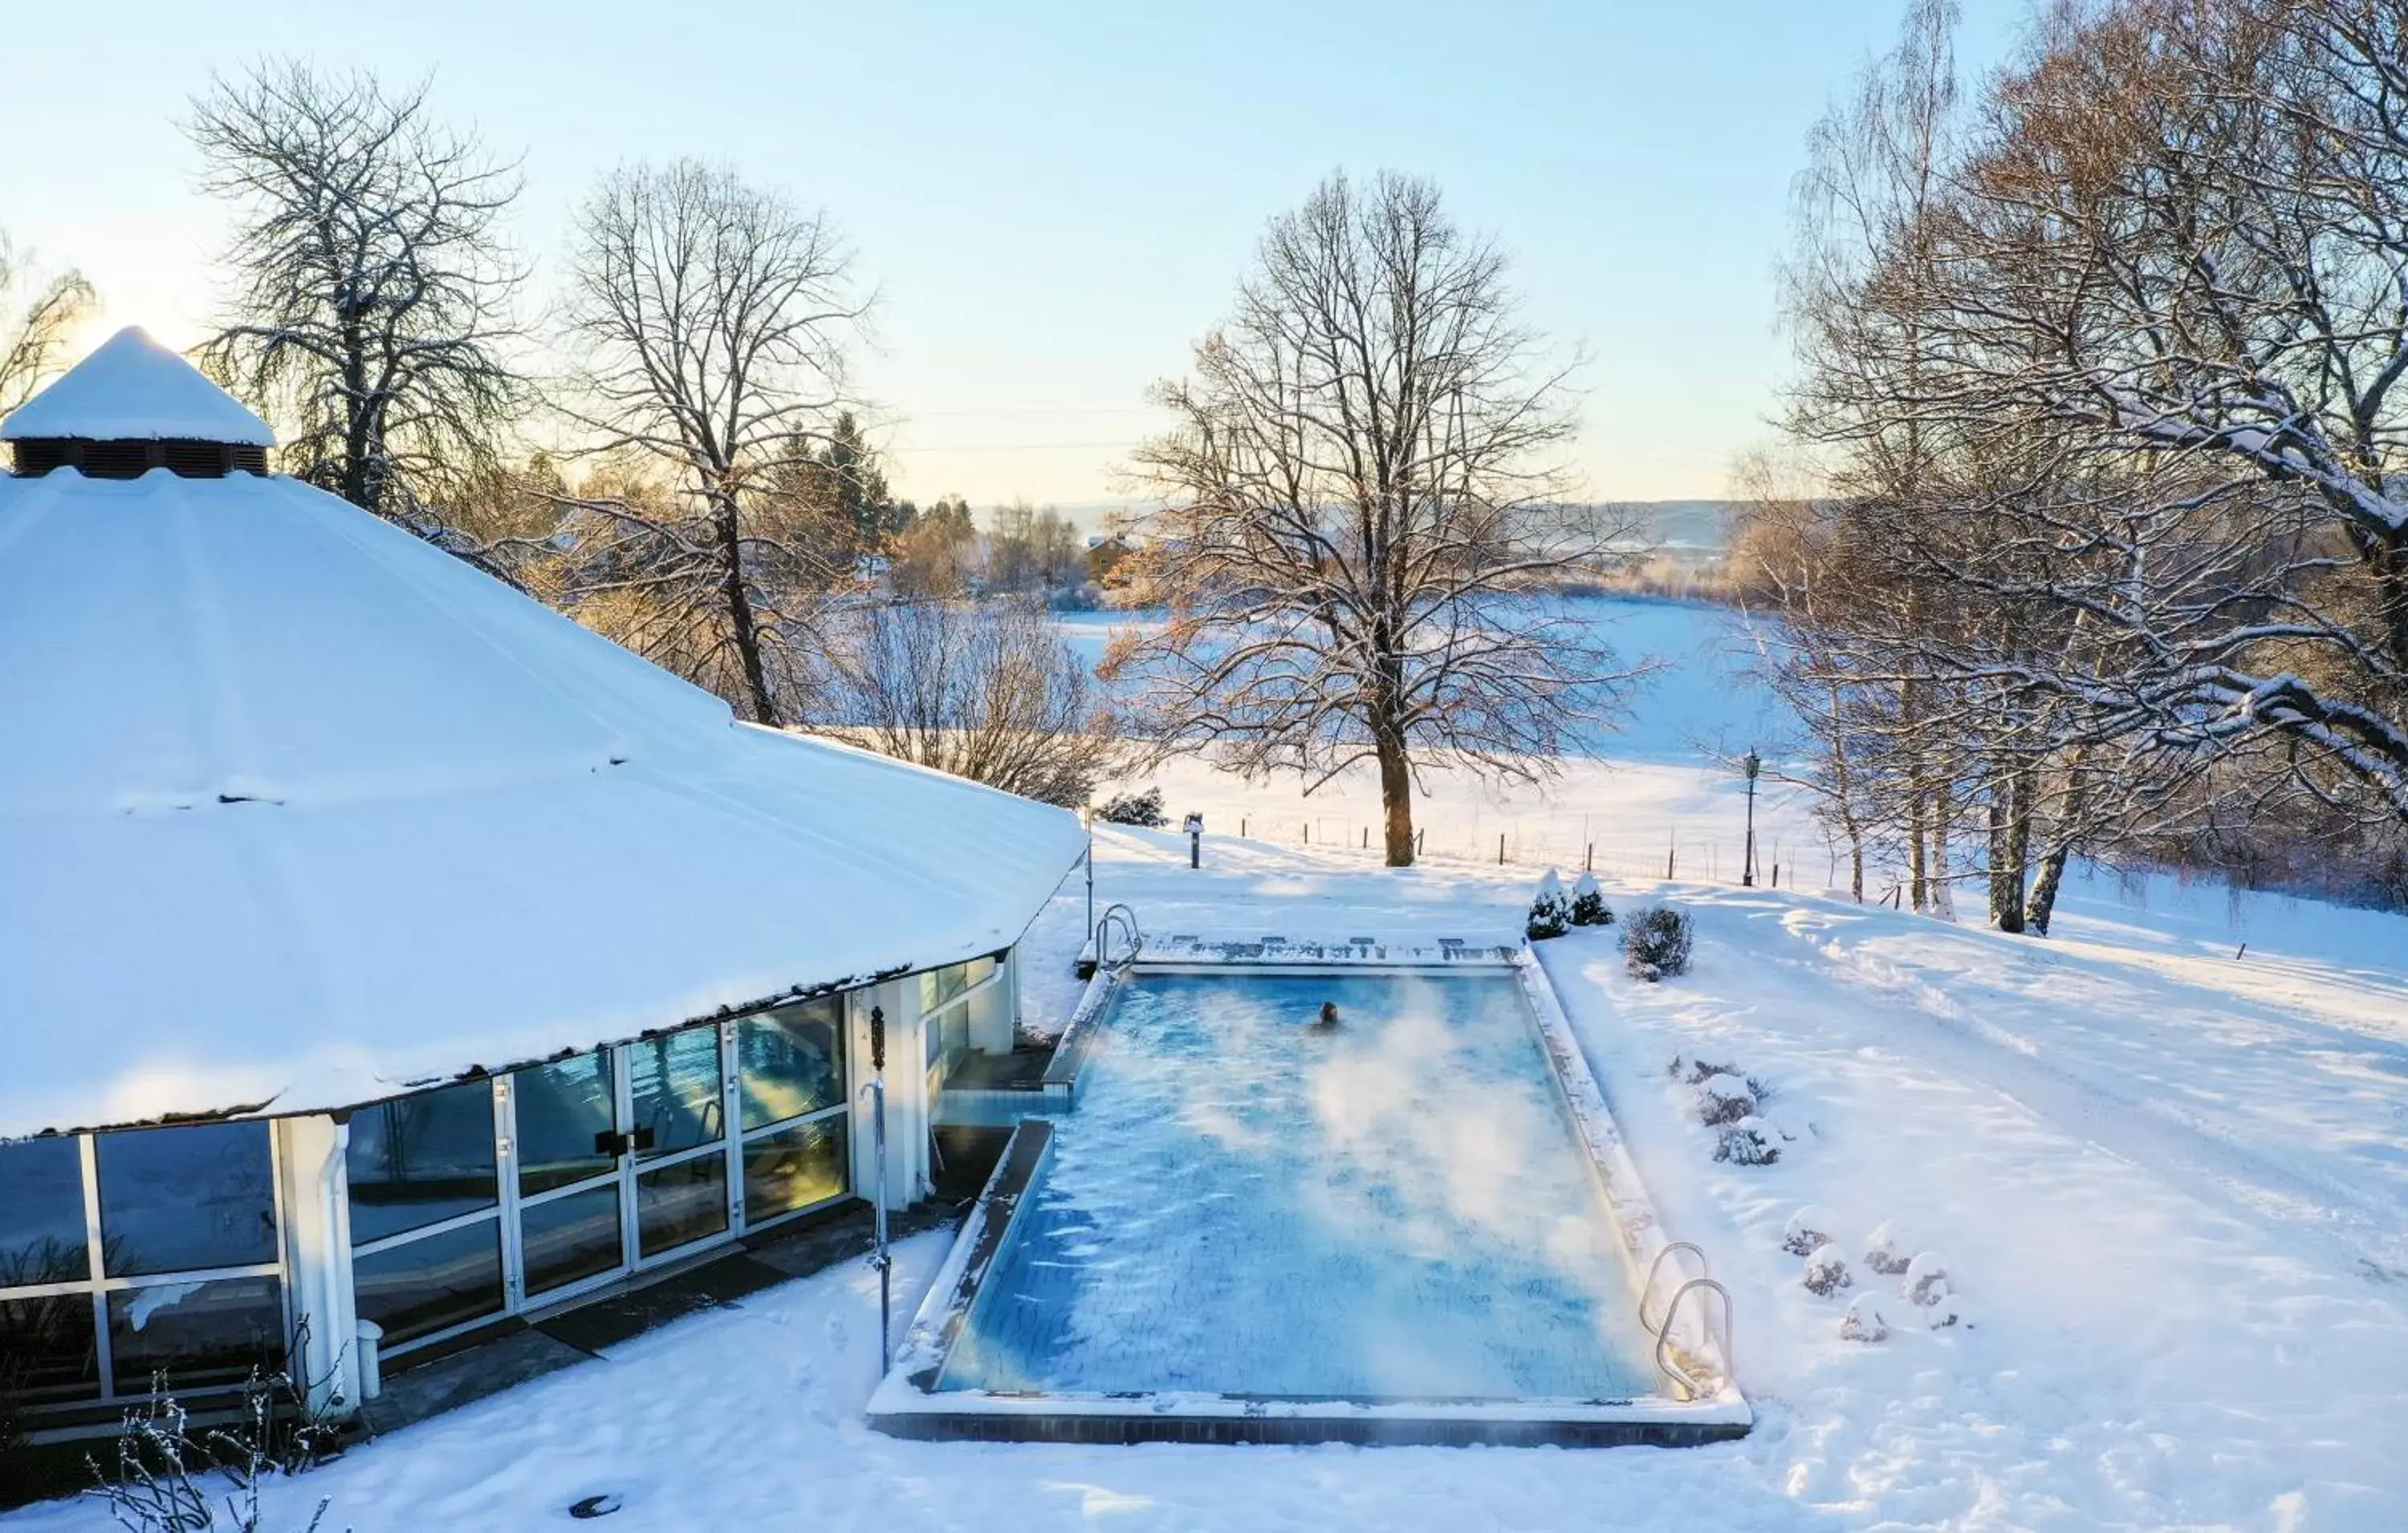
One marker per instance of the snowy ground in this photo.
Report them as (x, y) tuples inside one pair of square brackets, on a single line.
[(2171, 1186)]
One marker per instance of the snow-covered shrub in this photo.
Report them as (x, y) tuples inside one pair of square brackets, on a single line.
[(1882, 1253), (1864, 1321), (1550, 913), (1807, 1228), (1927, 1278), (1747, 1143), (1722, 1098), (1656, 942), (1589, 907), (1826, 1272), (1134, 809)]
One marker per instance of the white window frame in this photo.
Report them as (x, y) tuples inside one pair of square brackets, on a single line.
[(99, 1284)]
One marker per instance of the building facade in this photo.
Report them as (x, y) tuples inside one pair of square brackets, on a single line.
[(382, 956)]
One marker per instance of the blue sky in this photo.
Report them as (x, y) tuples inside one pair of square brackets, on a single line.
[(1055, 199)]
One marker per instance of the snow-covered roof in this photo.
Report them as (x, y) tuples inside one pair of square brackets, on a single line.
[(296, 810), (132, 388)]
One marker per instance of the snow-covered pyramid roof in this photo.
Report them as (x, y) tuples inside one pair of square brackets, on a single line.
[(131, 387), (296, 810)]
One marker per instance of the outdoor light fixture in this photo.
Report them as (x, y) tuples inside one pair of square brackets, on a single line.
[(1195, 828), (1752, 764)]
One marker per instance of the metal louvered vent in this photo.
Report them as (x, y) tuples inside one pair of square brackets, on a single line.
[(132, 457)]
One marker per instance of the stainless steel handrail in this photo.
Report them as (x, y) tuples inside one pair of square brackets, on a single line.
[(1126, 919), (1655, 1269), (1667, 1363)]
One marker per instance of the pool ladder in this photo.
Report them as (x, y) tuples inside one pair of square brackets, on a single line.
[(1126, 919), (1668, 1360)]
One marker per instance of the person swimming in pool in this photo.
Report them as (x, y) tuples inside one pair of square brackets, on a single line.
[(1329, 1022)]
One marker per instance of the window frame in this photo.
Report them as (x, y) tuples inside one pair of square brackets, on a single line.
[(98, 1285)]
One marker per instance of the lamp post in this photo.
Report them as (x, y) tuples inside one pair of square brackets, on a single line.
[(1195, 828), (1751, 766)]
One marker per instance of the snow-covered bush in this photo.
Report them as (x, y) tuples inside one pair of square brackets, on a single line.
[(1927, 1278), (1864, 1321), (1807, 1228), (1826, 1272), (1882, 1253), (1747, 1143), (1589, 907), (1722, 1098), (1134, 809), (1550, 913), (1656, 942)]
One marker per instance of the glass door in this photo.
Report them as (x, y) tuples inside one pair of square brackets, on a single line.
[(677, 1101), (570, 1154)]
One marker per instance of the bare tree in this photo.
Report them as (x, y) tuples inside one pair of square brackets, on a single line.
[(1364, 510), (984, 691), (370, 311), (709, 318), (36, 315)]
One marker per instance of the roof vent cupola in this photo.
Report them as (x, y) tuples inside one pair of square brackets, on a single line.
[(131, 407)]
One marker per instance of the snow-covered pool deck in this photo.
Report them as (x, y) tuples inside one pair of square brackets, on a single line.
[(910, 1402)]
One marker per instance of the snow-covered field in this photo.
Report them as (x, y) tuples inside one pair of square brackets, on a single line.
[(2167, 1180)]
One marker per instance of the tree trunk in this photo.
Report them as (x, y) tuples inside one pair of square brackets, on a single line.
[(1397, 797), (1943, 898), (2010, 812), (1917, 869), (2043, 894), (742, 625)]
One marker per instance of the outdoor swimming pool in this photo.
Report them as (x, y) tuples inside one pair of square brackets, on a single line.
[(1249, 1213), (1242, 1203)]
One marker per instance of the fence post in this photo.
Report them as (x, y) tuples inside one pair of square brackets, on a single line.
[(1776, 875), (1308, 833), (1588, 860), (1418, 839), (1668, 862), (1500, 848), (1367, 837), (1241, 827)]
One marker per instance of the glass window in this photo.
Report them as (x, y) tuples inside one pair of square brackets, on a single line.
[(418, 1160), (940, 985), (571, 1237), (794, 1168), (423, 1285), (41, 1214), (186, 1200), (675, 1079), (561, 1107), (681, 1203), (46, 1349), (792, 1061), (195, 1333)]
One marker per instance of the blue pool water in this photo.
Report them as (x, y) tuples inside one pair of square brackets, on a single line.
[(1239, 1204)]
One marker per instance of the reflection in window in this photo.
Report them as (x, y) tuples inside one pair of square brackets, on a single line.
[(674, 1079), (571, 1237), (46, 1349), (794, 1168), (186, 1200), (561, 1107), (418, 1160), (196, 1334), (792, 1061), (41, 1214), (681, 1203), (437, 1281)]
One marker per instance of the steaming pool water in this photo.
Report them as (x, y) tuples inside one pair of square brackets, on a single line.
[(1242, 1205)]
